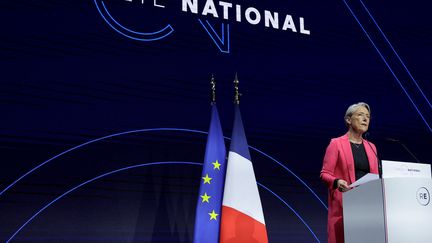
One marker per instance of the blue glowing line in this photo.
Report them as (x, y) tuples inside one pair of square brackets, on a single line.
[(388, 66), (228, 37), (292, 173), (214, 31), (131, 37), (211, 36), (152, 130), (93, 141), (142, 165), (86, 182), (291, 208), (132, 31), (400, 59), (223, 34)]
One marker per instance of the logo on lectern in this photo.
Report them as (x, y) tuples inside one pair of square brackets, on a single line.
[(423, 196)]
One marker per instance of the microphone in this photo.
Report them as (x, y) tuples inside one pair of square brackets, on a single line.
[(376, 155), (394, 140)]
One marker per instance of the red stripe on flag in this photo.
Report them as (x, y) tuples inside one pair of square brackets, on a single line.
[(237, 227)]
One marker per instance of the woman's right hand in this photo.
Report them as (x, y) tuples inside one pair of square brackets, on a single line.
[(342, 185)]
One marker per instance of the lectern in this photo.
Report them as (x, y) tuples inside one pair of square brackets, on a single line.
[(394, 209)]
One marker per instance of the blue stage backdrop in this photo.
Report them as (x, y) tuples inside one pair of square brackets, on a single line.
[(105, 107)]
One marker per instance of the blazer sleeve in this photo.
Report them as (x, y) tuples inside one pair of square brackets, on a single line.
[(329, 164)]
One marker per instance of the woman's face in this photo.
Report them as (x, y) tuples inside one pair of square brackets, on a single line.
[(359, 121)]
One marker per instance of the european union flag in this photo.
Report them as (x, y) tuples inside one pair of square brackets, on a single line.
[(208, 212)]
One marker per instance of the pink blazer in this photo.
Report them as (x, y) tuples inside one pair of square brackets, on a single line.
[(339, 164)]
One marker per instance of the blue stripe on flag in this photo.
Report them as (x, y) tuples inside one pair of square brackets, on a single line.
[(239, 143)]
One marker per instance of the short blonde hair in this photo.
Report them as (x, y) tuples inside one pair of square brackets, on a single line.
[(352, 108)]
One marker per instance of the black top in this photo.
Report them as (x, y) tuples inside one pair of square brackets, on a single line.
[(361, 162)]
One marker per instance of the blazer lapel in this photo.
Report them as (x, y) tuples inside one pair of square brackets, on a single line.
[(346, 147)]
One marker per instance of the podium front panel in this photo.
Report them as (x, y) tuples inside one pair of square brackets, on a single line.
[(408, 210), (363, 214)]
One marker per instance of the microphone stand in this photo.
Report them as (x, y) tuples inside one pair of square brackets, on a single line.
[(405, 147)]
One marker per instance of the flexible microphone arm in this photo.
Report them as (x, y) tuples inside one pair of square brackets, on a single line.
[(405, 147), (376, 155)]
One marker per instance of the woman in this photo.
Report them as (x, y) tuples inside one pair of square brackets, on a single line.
[(347, 159)]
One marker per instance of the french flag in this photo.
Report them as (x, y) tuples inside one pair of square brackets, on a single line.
[(242, 215)]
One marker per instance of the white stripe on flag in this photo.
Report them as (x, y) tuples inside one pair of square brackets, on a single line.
[(241, 190)]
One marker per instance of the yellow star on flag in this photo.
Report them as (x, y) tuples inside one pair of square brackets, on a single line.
[(216, 165), (213, 215), (207, 179), (205, 197)]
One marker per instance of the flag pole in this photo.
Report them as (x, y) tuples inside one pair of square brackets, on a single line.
[(236, 91), (242, 214), (209, 202), (213, 88)]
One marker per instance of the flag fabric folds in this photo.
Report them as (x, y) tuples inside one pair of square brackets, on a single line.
[(208, 211), (242, 215)]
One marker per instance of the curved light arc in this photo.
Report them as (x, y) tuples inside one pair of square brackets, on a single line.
[(143, 36), (160, 129), (137, 166)]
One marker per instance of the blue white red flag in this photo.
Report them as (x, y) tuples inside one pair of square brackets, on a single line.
[(242, 214)]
